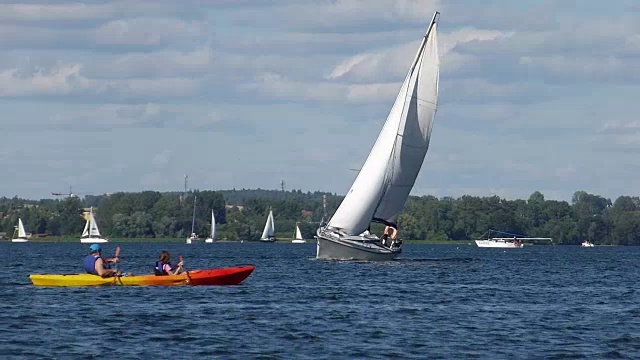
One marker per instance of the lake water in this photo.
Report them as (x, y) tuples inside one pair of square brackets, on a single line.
[(437, 301)]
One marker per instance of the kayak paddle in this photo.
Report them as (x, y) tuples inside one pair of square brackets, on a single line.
[(185, 271)]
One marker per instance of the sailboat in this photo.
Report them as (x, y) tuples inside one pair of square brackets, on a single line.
[(212, 236), (91, 233), (269, 229), (382, 186), (22, 235), (297, 238), (193, 236)]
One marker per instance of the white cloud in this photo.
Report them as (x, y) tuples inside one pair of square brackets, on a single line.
[(394, 61)]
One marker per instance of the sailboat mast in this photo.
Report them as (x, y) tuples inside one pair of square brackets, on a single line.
[(193, 219), (424, 42)]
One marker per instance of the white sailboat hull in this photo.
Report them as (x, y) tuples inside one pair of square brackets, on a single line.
[(208, 241), (332, 246), (491, 243), (587, 244), (192, 239), (19, 240), (298, 241), (268, 240), (93, 240)]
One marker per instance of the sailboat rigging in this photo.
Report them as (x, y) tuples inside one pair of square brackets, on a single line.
[(268, 234), (212, 236), (22, 234), (193, 237), (91, 233), (384, 182)]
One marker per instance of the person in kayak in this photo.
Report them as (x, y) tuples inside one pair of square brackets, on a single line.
[(97, 265), (163, 265)]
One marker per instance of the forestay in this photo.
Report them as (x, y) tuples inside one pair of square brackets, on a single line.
[(387, 176)]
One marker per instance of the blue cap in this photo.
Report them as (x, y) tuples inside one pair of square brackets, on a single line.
[(94, 247)]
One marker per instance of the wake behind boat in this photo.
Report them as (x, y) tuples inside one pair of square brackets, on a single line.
[(219, 276), (517, 241), (383, 184)]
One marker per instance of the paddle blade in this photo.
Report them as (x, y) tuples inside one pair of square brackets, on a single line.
[(117, 251)]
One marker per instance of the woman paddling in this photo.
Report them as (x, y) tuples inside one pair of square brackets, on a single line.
[(163, 265)]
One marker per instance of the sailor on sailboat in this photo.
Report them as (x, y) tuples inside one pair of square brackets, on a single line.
[(91, 233), (268, 234), (22, 234), (212, 236), (383, 184), (297, 238)]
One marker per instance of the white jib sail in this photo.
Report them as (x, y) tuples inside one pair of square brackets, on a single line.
[(269, 228), (213, 226), (21, 233)]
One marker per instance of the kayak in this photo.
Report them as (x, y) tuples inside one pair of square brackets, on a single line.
[(220, 276)]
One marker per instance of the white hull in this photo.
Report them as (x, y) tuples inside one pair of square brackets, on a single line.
[(498, 244), (268, 240), (192, 239), (332, 246), (587, 244), (93, 240), (19, 240), (208, 241), (298, 241)]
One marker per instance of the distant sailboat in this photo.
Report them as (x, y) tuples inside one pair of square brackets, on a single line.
[(91, 233), (385, 180), (298, 239), (22, 235), (268, 234), (193, 237), (212, 236)]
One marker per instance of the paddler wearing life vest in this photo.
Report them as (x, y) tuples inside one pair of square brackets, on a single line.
[(97, 265), (163, 265)]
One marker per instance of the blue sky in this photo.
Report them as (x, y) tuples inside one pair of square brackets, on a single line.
[(109, 96)]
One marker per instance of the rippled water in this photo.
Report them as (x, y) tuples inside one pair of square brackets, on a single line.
[(436, 301)]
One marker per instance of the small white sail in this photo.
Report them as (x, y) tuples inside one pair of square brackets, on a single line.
[(298, 233), (91, 233), (93, 229), (21, 233), (387, 176), (85, 232), (269, 227), (213, 225)]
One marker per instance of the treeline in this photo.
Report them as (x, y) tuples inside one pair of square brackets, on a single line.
[(241, 214)]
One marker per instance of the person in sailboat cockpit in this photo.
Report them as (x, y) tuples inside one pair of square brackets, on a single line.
[(390, 232)]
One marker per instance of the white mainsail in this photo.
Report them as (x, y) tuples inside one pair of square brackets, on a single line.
[(269, 227), (387, 176), (21, 233), (298, 233), (91, 227), (213, 225), (91, 233)]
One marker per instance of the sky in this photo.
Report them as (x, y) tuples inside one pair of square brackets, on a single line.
[(106, 96)]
